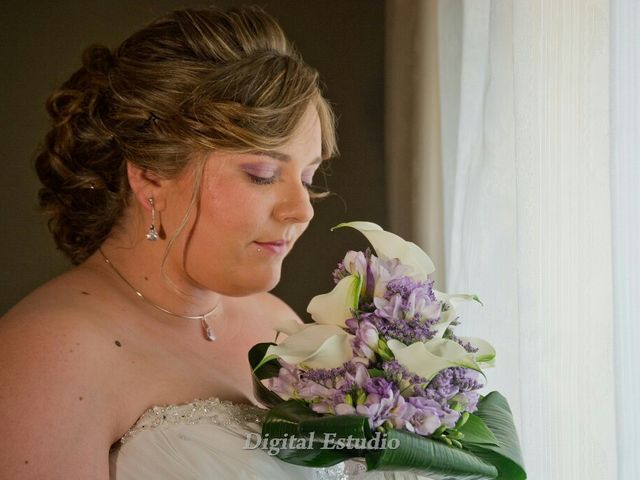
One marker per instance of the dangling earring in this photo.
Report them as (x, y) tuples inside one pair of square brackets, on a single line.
[(152, 233)]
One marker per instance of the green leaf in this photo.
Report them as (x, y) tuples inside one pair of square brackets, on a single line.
[(476, 432), (506, 456), (430, 458), (260, 370), (415, 453), (294, 419)]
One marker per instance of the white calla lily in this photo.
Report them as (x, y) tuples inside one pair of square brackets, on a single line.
[(445, 320), (289, 325), (389, 246), (455, 298), (427, 359), (334, 308), (486, 354), (316, 346)]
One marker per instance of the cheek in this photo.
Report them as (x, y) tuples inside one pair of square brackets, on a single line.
[(229, 210)]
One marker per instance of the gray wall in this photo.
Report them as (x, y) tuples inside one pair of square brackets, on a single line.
[(41, 43)]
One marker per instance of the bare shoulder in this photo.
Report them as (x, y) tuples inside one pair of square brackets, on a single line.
[(265, 312), (277, 307), (54, 382)]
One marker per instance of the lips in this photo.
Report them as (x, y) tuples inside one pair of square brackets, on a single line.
[(278, 247)]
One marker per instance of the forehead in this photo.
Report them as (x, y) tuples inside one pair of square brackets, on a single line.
[(305, 144)]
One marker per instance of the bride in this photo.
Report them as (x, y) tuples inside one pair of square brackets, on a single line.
[(176, 178)]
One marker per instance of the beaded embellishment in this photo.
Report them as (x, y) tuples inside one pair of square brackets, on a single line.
[(212, 410), (233, 417)]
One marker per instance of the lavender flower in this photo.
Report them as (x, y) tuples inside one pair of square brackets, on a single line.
[(324, 389), (375, 272), (365, 342), (339, 273), (407, 312), (405, 299), (466, 345), (451, 381), (287, 381), (429, 415), (409, 383)]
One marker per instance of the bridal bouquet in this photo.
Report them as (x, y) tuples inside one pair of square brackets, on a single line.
[(381, 375)]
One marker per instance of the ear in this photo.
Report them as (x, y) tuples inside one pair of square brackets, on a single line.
[(145, 185)]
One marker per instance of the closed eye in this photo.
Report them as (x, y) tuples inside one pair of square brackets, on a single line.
[(315, 192), (261, 180)]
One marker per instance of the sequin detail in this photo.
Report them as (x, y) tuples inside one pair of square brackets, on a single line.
[(231, 416), (234, 417)]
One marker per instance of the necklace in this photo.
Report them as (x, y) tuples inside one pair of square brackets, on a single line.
[(206, 329)]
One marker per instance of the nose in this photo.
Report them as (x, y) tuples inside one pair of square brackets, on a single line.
[(294, 206)]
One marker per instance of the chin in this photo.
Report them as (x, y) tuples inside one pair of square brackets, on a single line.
[(253, 286)]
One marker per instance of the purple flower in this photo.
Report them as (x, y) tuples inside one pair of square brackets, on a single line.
[(384, 404), (380, 386), (312, 390), (374, 272), (427, 416), (286, 382), (376, 408), (406, 380), (468, 401), (406, 299), (451, 381), (323, 407), (339, 273), (466, 345), (423, 423), (407, 312), (365, 342), (345, 409)]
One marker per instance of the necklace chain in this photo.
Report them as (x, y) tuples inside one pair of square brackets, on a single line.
[(206, 329)]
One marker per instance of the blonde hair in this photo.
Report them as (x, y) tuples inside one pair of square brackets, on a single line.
[(192, 81)]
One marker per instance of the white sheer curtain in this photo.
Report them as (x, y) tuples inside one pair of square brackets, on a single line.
[(625, 182), (539, 115), (541, 215)]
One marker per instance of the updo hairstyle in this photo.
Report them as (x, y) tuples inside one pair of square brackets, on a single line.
[(191, 82)]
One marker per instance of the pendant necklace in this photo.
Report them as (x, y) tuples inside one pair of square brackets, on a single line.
[(206, 329)]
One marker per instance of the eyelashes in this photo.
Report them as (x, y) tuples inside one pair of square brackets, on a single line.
[(267, 173), (316, 193), (261, 180), (270, 180)]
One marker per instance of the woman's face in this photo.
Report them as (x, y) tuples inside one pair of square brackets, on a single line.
[(253, 208)]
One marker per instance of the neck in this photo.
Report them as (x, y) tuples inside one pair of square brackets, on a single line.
[(165, 286)]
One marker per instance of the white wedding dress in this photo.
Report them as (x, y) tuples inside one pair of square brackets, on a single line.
[(207, 439)]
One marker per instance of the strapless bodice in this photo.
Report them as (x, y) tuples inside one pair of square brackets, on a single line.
[(205, 439), (208, 439)]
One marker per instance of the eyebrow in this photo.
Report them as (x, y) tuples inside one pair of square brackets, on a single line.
[(283, 157)]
